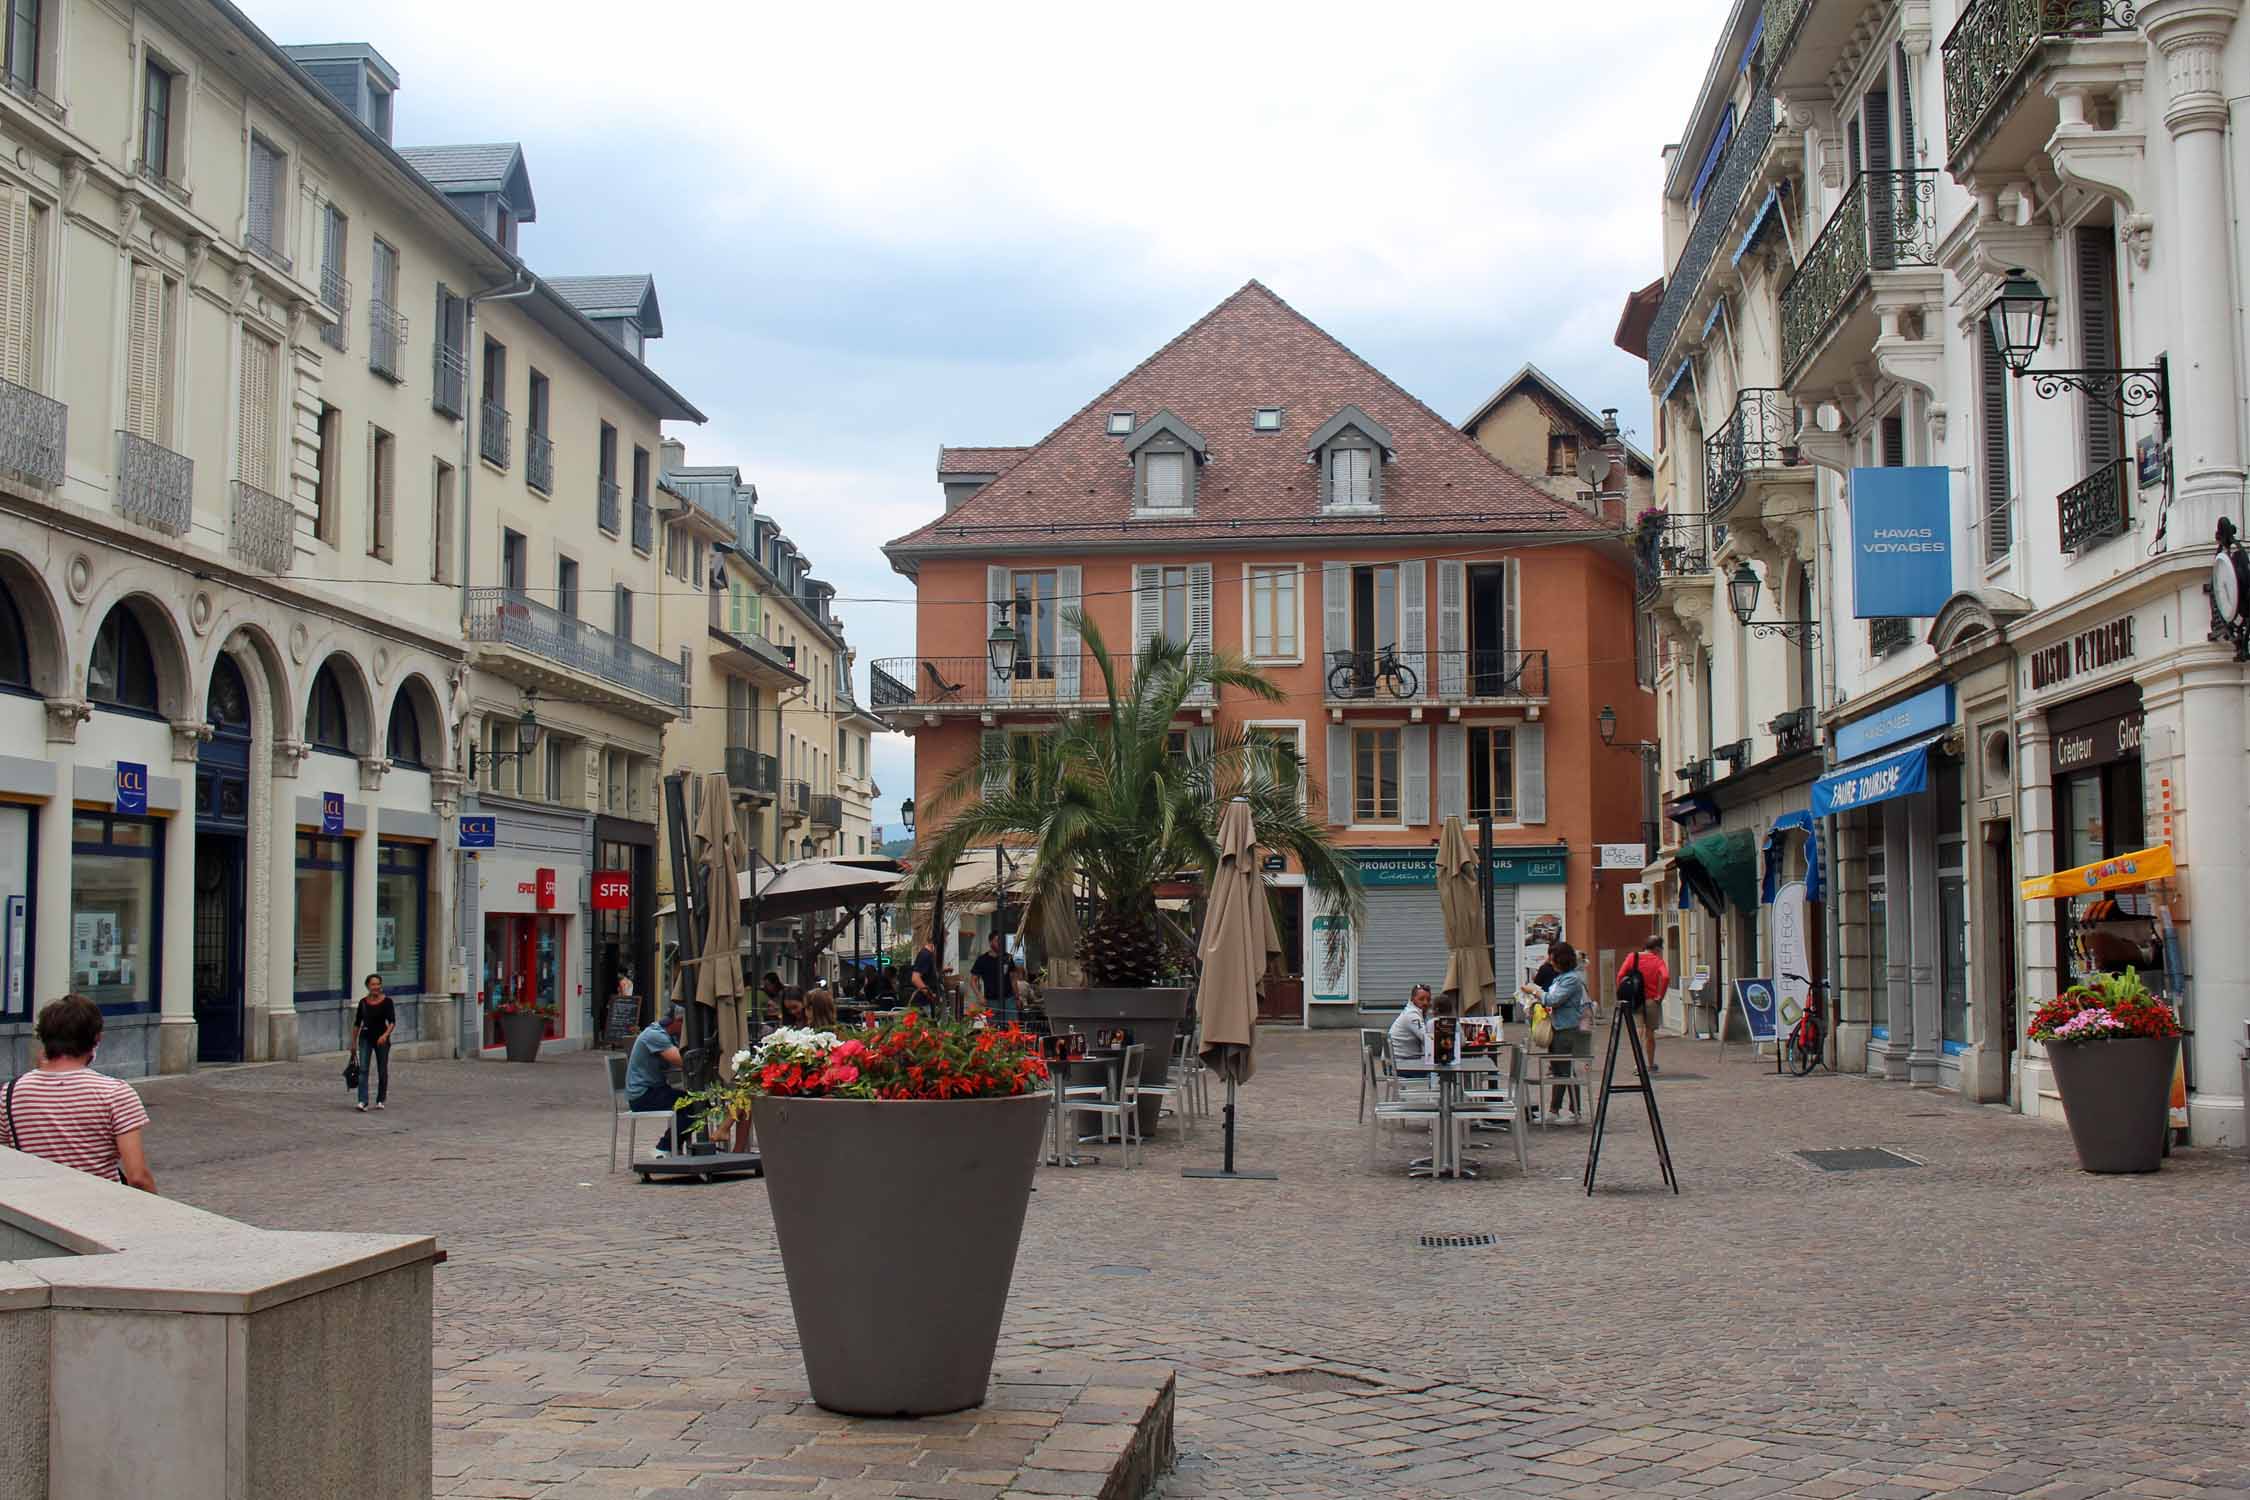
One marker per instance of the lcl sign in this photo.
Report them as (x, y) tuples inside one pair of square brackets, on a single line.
[(613, 890)]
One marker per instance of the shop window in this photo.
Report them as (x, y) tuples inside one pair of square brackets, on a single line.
[(324, 917), (19, 919), (403, 743), (327, 725), (402, 899), (15, 648), (116, 925), (523, 962), (122, 671)]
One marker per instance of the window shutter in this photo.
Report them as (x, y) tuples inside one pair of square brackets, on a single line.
[(999, 590), (1148, 606), (1069, 587), (1452, 771), (1414, 630), (1335, 612), (1166, 481), (1199, 611), (1452, 637), (1894, 442), (144, 359), (993, 744), (19, 261), (255, 461), (1414, 774), (2097, 336), (1531, 773), (1511, 639), (1992, 376), (1905, 106), (264, 191), (1339, 774), (386, 505), (1882, 190)]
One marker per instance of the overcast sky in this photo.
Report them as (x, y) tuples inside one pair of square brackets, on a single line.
[(875, 231)]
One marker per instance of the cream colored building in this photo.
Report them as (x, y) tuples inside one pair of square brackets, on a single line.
[(308, 479)]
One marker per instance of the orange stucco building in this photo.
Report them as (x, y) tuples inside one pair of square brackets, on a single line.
[(1444, 632)]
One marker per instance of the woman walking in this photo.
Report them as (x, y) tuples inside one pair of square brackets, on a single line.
[(66, 1112), (1567, 1007), (373, 1021)]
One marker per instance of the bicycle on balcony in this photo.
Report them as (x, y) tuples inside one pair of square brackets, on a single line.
[(1368, 674)]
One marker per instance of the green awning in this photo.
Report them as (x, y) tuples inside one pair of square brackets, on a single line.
[(1722, 867)]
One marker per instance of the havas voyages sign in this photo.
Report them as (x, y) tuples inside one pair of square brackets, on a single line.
[(1902, 542)]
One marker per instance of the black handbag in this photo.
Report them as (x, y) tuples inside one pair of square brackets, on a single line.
[(351, 1074)]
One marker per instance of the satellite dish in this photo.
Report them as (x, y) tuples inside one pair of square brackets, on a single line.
[(1593, 467)]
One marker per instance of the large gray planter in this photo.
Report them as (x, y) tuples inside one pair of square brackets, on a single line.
[(2117, 1097), (863, 1189), (522, 1031), (1153, 1016)]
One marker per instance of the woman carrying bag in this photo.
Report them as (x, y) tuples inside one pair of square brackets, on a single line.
[(373, 1021), (1570, 1009)]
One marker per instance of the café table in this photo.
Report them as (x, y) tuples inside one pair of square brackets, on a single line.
[(1058, 1075), (1452, 1078)]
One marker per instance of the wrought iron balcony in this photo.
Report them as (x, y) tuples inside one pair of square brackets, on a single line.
[(33, 430), (608, 509), (2097, 507), (885, 691), (1696, 774), (796, 800), (1780, 29), (1680, 548), (1736, 755), (539, 461), (386, 335), (263, 532), (644, 525), (1749, 441), (752, 772), (1792, 731), (31, 94), (1885, 220), (449, 380), (336, 296), (154, 176), (1721, 197), (1997, 46), (270, 254), (155, 486), (492, 432), (827, 811), (1887, 633), (504, 617), (1488, 676), (957, 684)]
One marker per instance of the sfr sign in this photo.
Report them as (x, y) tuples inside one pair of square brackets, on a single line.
[(613, 890)]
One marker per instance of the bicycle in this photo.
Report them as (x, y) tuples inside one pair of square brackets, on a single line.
[(1358, 674), (1800, 1048)]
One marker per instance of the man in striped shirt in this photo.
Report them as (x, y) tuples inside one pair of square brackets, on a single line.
[(66, 1112)]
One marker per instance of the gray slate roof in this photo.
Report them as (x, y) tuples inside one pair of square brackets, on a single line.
[(487, 168), (613, 297)]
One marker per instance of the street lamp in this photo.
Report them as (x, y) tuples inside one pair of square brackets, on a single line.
[(1742, 594), (527, 736), (906, 814), (1606, 720), (2017, 320), (806, 848), (1000, 646)]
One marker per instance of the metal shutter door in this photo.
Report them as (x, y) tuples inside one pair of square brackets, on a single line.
[(1401, 944)]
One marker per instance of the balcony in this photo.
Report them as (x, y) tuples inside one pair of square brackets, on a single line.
[(263, 530), (1793, 731), (1672, 567), (796, 801), (572, 648), (644, 525), (885, 691), (171, 188), (31, 94), (386, 335), (938, 685), (336, 296), (752, 656), (155, 486), (449, 380), (32, 433), (1696, 774), (1361, 677), (1995, 119), (1887, 633), (1727, 201), (608, 512), (267, 252), (752, 773), (2097, 507), (828, 811), (492, 433), (1886, 221), (1749, 444), (539, 461)]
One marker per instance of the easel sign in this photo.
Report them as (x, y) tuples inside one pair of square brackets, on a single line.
[(1753, 1000)]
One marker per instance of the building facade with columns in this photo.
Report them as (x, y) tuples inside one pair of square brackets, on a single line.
[(1870, 175)]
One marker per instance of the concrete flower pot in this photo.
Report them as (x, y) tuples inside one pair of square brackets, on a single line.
[(1152, 1015), (860, 1187), (2117, 1096), (522, 1031)]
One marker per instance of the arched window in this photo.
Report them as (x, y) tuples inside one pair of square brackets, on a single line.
[(228, 705), (327, 726), (123, 671), (15, 650), (403, 744)]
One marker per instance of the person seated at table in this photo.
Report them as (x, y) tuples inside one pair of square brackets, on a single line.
[(792, 1006), (1411, 1046), (820, 1010), (648, 1070)]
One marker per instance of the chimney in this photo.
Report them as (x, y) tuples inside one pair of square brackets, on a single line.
[(672, 455), (1617, 486)]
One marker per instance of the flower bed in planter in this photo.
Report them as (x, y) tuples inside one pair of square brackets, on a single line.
[(2112, 1047)]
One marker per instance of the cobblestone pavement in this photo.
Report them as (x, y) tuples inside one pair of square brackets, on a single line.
[(1989, 1322)]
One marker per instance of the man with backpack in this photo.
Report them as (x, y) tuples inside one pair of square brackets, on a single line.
[(1642, 980)]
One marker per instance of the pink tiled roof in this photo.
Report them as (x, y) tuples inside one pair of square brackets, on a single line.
[(976, 460), (1250, 351)]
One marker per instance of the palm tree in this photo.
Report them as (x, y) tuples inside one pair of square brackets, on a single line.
[(1111, 799)]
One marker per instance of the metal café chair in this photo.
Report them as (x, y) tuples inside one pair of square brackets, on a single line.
[(1502, 1103), (620, 1110), (1123, 1108)]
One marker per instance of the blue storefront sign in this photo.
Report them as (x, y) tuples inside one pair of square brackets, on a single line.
[(1901, 773), (331, 812), (1386, 870), (132, 788), (479, 832), (1910, 718), (1902, 542)]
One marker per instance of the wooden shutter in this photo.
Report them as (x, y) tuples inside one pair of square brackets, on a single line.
[(1992, 432), (262, 192), (1199, 609), (1339, 774), (2096, 246), (1894, 444), (144, 356), (1414, 774), (256, 410), (1148, 606), (1531, 773), (19, 289), (1452, 771), (1414, 630), (992, 745), (1905, 78), (1069, 591), (385, 509), (1511, 641), (1335, 612), (999, 590), (1882, 189), (1452, 639)]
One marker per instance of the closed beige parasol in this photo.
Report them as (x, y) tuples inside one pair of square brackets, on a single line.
[(1468, 964)]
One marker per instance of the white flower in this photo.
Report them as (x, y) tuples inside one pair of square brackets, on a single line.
[(744, 1059), (794, 1039)]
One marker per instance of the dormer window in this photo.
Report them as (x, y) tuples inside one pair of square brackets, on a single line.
[(1350, 450), (1165, 453), (1120, 424)]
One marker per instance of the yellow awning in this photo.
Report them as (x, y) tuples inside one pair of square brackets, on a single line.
[(2121, 873)]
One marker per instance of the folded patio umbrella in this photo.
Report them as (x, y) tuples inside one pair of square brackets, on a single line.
[(1238, 934), (1468, 964), (718, 977)]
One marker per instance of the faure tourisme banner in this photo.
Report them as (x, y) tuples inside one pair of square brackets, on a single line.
[(1902, 543)]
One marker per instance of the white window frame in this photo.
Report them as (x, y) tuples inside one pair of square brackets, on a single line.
[(1299, 730), (1250, 571), (1352, 731), (1469, 727)]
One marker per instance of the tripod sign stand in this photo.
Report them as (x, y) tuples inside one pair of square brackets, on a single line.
[(1625, 1021)]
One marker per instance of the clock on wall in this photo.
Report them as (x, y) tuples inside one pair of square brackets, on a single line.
[(2230, 592)]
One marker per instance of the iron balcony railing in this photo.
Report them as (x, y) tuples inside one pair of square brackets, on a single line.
[(780, 658), (1886, 220), (1994, 48), (539, 461), (827, 811), (33, 433), (263, 532), (30, 93), (1888, 633), (386, 335), (1750, 440), (885, 691), (268, 253), (968, 682), (504, 617), (796, 799), (492, 432), (752, 772), (336, 296), (1721, 196), (155, 486), (608, 511), (1736, 754), (1443, 676), (449, 380), (2097, 507), (155, 178), (644, 525), (1792, 731), (1696, 774), (1680, 548), (1780, 29)]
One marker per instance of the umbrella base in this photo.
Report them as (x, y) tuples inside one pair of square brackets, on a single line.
[(703, 1166), (1221, 1172)]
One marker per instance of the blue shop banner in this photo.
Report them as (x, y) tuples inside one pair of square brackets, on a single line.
[(478, 831), (1902, 542), (1910, 718), (1899, 774), (132, 789), (331, 813)]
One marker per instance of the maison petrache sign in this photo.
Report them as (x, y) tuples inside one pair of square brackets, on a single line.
[(2090, 650)]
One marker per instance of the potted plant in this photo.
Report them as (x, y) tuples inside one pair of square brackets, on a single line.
[(912, 1138), (523, 1024), (1110, 804), (2112, 1046)]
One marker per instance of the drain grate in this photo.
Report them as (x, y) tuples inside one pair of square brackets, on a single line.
[(1857, 1159), (1458, 1241)]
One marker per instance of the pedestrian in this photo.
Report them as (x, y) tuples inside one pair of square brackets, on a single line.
[(990, 976), (927, 978), (373, 1021), (1568, 1008), (1019, 989), (648, 1077), (820, 1009), (1656, 979), (66, 1112), (625, 992)]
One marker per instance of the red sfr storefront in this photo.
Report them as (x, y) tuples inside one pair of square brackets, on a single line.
[(528, 911)]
